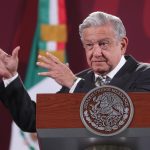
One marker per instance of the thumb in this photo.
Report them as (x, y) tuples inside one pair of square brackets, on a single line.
[(15, 52)]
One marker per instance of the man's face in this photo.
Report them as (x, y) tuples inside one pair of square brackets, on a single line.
[(103, 49)]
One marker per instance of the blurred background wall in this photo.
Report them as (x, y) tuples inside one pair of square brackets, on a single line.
[(17, 27)]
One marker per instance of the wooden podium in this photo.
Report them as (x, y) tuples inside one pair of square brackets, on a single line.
[(59, 126)]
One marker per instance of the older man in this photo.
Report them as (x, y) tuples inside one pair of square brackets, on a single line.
[(105, 43)]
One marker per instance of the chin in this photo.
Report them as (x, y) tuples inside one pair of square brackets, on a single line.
[(100, 70)]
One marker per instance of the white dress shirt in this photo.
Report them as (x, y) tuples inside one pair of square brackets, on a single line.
[(116, 69)]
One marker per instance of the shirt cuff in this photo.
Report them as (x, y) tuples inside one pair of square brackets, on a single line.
[(8, 81), (74, 85)]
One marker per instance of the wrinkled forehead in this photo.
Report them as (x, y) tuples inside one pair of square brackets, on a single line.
[(98, 33)]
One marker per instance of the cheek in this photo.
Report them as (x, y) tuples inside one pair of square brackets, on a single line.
[(113, 58), (88, 57)]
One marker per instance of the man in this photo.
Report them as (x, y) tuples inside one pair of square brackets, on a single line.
[(105, 43)]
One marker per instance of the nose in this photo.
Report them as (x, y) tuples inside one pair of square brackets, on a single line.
[(97, 51)]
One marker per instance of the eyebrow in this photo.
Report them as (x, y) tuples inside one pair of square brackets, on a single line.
[(97, 40)]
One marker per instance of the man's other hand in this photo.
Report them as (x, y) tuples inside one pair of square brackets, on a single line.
[(9, 63)]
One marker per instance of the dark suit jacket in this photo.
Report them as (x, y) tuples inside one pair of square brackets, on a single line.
[(133, 76)]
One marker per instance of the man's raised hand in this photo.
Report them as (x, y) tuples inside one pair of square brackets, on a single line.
[(56, 70), (9, 63)]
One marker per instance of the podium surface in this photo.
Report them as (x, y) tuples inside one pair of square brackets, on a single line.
[(59, 125)]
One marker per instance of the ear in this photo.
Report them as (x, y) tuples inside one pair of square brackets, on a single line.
[(124, 44)]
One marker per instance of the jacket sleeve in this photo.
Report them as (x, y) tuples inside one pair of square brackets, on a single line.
[(20, 105)]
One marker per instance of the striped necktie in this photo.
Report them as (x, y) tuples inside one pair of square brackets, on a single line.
[(102, 80)]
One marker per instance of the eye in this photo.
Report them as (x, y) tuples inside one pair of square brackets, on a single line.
[(104, 44), (88, 46)]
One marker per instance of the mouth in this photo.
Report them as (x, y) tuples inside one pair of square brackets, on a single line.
[(98, 61)]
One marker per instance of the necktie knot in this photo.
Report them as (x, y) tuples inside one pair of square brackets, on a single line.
[(102, 80)]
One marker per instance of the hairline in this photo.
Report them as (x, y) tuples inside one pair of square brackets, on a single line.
[(98, 19)]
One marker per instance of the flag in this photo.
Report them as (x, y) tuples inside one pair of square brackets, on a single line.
[(50, 35)]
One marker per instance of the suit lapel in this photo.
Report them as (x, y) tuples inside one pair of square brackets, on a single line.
[(122, 78), (88, 83)]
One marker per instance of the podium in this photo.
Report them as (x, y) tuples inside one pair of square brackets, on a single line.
[(59, 126)]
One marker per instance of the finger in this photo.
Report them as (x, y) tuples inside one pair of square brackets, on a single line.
[(44, 74), (53, 58), (51, 74), (45, 60), (3, 53), (15, 52), (67, 64), (44, 65)]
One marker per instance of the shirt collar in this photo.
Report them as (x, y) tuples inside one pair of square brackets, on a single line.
[(116, 69)]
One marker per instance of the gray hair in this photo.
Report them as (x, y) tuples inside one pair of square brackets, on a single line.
[(99, 18)]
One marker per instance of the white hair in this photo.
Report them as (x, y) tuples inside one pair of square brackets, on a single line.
[(99, 18)]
